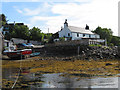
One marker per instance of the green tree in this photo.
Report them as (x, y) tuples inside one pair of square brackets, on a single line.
[(3, 20), (115, 40), (55, 35), (18, 31), (36, 34), (104, 33), (62, 39)]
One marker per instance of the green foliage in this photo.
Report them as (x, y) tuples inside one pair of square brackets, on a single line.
[(104, 33), (18, 31), (3, 20), (111, 44), (48, 37), (92, 45), (115, 40), (62, 39), (55, 35), (36, 34)]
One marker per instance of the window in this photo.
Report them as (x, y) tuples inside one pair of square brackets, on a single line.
[(77, 34), (83, 35), (68, 34), (89, 36)]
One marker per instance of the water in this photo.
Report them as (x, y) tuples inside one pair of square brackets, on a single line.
[(56, 80)]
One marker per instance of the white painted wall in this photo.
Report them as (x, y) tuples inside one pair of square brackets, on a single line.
[(97, 36), (64, 32), (92, 36), (74, 36), (86, 36)]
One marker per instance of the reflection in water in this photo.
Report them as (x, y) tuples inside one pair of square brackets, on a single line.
[(36, 81), (53, 80)]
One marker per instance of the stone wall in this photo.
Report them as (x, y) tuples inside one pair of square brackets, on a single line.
[(71, 42), (84, 51)]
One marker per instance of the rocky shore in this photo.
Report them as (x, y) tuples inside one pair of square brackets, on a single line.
[(83, 51)]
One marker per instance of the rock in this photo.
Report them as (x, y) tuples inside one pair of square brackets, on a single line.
[(107, 64)]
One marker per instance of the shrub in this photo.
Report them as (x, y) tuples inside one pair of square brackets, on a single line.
[(62, 39)]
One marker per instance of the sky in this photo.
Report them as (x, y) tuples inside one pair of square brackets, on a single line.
[(51, 14)]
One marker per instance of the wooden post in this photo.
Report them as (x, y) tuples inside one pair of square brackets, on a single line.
[(1, 47), (78, 50)]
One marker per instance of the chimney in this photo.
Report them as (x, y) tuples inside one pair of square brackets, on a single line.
[(65, 24), (61, 27), (87, 27)]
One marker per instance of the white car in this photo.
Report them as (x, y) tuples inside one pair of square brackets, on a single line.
[(30, 45)]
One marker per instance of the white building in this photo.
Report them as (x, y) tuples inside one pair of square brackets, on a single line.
[(76, 33)]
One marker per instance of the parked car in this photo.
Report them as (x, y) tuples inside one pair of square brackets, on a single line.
[(21, 45), (30, 45)]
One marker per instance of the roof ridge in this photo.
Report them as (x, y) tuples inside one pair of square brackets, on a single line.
[(77, 27), (79, 30)]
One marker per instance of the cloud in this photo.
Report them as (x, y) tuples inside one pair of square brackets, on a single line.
[(95, 13), (54, 23), (31, 12), (102, 13), (18, 10), (46, 0)]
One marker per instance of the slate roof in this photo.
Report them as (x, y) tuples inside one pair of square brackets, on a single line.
[(79, 30)]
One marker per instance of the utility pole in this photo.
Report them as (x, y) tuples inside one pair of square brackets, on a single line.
[(105, 42), (78, 50), (48, 30)]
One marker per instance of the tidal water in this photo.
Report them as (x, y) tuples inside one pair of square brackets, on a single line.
[(56, 80)]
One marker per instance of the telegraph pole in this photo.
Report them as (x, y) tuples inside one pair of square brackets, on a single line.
[(105, 42), (48, 30)]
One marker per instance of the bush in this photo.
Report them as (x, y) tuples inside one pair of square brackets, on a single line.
[(93, 45), (62, 39)]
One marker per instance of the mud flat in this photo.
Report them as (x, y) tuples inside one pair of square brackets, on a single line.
[(71, 67), (65, 65)]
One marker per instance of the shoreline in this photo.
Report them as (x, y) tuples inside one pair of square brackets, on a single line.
[(68, 68), (43, 65)]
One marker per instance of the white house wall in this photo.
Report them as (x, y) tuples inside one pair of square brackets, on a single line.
[(93, 36), (97, 36), (74, 36), (86, 36), (64, 33)]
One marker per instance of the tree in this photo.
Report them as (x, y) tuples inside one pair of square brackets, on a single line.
[(35, 34), (18, 31), (3, 20), (104, 33), (55, 35), (62, 39), (115, 40)]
